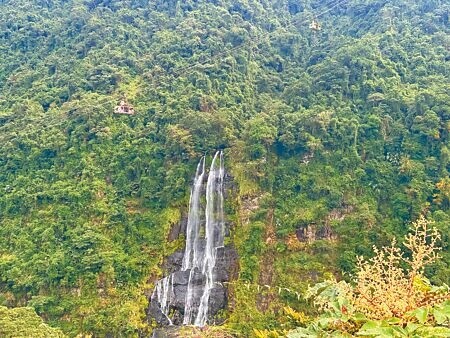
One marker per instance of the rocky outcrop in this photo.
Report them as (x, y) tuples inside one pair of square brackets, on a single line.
[(178, 229), (312, 232), (226, 270)]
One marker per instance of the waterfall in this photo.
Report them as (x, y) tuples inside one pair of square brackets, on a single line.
[(213, 233), (191, 254), (200, 253), (190, 258), (164, 293)]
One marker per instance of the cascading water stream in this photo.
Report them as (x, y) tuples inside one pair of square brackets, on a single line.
[(213, 233), (191, 254), (190, 258), (200, 253), (164, 293)]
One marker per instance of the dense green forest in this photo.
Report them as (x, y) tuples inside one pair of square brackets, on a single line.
[(336, 140)]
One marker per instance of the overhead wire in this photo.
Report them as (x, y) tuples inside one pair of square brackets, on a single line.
[(182, 70)]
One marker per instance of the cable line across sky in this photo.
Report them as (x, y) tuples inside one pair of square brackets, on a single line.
[(183, 70)]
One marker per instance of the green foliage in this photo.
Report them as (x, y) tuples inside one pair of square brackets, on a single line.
[(245, 316), (24, 322), (385, 301), (338, 321)]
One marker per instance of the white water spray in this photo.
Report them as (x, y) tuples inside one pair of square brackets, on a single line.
[(164, 293), (191, 254), (200, 253), (213, 233), (190, 258)]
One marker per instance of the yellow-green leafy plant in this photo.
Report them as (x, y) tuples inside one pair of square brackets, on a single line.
[(385, 289), (390, 296)]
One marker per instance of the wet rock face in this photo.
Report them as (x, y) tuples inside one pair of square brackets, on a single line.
[(169, 299), (226, 269), (178, 229), (174, 262), (154, 312)]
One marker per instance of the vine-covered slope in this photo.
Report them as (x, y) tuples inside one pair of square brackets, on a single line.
[(336, 139)]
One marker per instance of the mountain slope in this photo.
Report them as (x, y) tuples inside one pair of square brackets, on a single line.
[(335, 139)]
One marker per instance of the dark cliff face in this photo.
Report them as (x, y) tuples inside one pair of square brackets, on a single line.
[(225, 270)]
